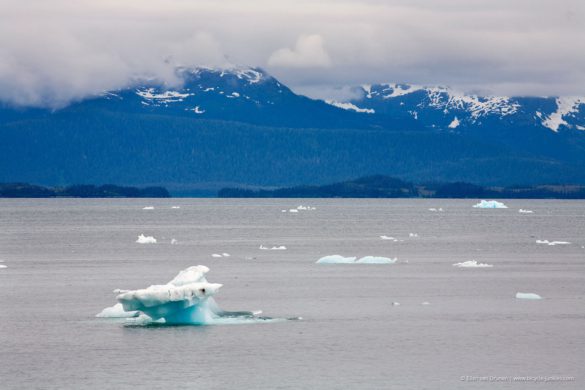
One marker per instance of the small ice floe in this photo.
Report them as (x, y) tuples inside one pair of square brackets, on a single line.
[(175, 207), (142, 239), (552, 243), (274, 248), (523, 211), (226, 254), (395, 303), (522, 295), (307, 208), (472, 264), (293, 211), (490, 204), (174, 241), (393, 239), (413, 235), (283, 211), (3, 266), (337, 259), (425, 303), (216, 255), (440, 209), (376, 260), (148, 208)]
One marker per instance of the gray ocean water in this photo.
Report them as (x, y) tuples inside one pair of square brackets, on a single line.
[(65, 256)]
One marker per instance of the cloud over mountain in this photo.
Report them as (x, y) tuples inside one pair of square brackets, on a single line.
[(55, 51)]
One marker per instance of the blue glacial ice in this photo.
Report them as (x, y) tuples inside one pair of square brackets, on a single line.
[(185, 300), (337, 259), (490, 204)]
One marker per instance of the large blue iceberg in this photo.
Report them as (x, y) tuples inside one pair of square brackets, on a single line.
[(185, 300)]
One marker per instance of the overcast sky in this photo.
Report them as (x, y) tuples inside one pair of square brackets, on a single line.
[(55, 51)]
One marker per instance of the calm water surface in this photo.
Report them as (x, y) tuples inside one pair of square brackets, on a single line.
[(65, 256)]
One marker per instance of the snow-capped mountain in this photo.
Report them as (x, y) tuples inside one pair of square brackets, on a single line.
[(445, 108), (241, 126), (238, 93)]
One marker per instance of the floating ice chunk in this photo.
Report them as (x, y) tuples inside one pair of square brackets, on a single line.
[(174, 241), (226, 254), (293, 211), (283, 211), (413, 235), (490, 204), (175, 207), (425, 303), (216, 255), (301, 207), (3, 266), (440, 209), (521, 295), (522, 211), (395, 303), (376, 260), (142, 239), (274, 248), (116, 311), (148, 208), (387, 238), (187, 299), (336, 259), (472, 264), (552, 243)]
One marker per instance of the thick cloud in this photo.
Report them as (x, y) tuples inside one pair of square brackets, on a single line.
[(55, 51), (309, 52)]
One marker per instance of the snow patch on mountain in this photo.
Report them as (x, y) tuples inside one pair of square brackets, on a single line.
[(350, 106), (150, 94), (447, 99), (565, 107)]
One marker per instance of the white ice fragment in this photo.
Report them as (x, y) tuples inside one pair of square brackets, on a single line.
[(523, 211), (388, 238), (226, 254), (142, 239), (293, 211), (413, 235), (376, 260), (521, 295), (278, 248), (395, 303), (116, 311), (490, 204), (336, 259), (472, 264), (216, 255), (425, 303), (148, 208), (3, 266), (552, 243), (174, 241), (175, 207)]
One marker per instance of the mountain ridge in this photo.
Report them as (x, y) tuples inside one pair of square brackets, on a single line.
[(243, 126)]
